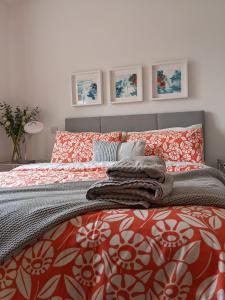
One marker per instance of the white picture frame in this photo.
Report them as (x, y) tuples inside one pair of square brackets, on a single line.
[(87, 88), (126, 84), (169, 80)]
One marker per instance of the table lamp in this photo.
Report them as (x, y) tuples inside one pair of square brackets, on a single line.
[(31, 128)]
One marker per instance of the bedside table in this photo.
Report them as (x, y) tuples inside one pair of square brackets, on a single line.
[(6, 166), (221, 165)]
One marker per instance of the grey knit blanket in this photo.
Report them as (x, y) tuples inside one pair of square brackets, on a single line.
[(140, 167), (26, 213), (131, 191), (198, 187)]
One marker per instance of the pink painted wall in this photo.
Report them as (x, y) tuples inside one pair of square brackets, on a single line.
[(50, 39), (4, 73)]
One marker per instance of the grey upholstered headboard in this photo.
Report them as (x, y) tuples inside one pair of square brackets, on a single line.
[(135, 122)]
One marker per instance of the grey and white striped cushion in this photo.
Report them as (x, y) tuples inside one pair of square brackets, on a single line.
[(113, 151), (105, 151)]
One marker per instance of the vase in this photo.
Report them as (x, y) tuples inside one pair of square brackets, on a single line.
[(16, 154)]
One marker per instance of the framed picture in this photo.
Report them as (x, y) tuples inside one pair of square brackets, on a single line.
[(126, 84), (87, 88), (170, 80)]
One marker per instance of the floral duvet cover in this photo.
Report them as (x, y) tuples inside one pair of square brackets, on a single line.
[(162, 253)]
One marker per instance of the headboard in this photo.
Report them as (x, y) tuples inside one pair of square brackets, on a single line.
[(135, 122)]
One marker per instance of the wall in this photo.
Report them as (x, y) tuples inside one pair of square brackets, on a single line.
[(53, 38), (4, 74)]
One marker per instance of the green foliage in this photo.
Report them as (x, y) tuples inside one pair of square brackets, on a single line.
[(14, 120)]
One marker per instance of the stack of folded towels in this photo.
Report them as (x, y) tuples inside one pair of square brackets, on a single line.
[(138, 181)]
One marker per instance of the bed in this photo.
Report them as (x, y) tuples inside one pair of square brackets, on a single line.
[(157, 253)]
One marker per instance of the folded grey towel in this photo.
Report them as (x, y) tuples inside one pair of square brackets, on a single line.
[(132, 191), (142, 167)]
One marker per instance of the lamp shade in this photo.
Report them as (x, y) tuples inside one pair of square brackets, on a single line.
[(33, 127)]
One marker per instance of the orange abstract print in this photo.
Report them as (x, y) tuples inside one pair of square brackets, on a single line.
[(77, 147), (172, 145)]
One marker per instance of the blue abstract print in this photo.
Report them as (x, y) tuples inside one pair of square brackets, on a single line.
[(168, 83), (87, 90), (126, 86)]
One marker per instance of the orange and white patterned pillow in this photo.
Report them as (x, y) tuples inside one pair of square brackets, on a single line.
[(173, 144), (78, 147)]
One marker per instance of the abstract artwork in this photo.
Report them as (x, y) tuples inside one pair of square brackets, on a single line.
[(169, 80), (126, 84), (87, 88)]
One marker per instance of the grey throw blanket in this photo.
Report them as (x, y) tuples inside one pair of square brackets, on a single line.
[(131, 191), (26, 213), (140, 167), (198, 187)]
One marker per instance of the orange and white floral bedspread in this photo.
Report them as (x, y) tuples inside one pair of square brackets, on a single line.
[(46, 173), (166, 253)]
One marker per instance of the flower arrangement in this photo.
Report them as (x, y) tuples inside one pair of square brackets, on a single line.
[(13, 121)]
